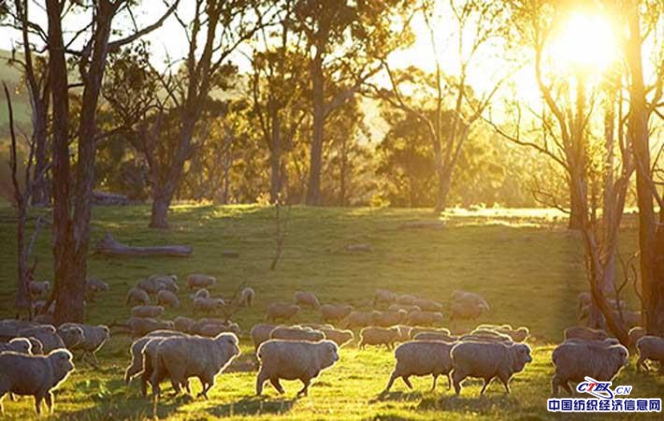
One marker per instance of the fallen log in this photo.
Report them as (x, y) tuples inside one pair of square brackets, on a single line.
[(110, 247)]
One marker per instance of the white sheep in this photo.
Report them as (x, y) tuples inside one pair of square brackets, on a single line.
[(147, 311), (650, 348), (406, 299), (374, 335), (140, 326), (34, 375), (208, 305), (261, 333), (426, 304), (167, 298), (200, 293), (384, 296), (334, 312), (137, 296), (296, 333), (359, 319), (467, 305), (281, 311), (19, 345), (306, 299), (585, 333), (136, 365), (390, 318), (94, 338), (245, 298), (421, 358), (424, 318), (294, 360), (338, 336), (199, 280), (488, 360), (183, 324)]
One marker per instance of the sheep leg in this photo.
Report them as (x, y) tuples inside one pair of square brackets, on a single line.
[(449, 381), (305, 390), (555, 385), (407, 381), (486, 383), (391, 381), (457, 378), (38, 400), (277, 385), (505, 382), (641, 362), (260, 380), (2, 395), (435, 379), (48, 397), (566, 387)]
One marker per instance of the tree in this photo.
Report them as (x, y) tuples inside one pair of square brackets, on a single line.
[(72, 192)]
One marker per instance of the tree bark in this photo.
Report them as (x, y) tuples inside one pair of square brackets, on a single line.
[(576, 207), (109, 246), (316, 153), (275, 159), (161, 202)]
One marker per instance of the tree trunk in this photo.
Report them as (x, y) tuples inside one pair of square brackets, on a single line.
[(444, 183), (656, 316), (275, 160), (160, 204), (316, 154), (40, 195), (343, 168), (638, 134), (575, 217)]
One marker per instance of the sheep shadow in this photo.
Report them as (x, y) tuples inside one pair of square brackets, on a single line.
[(480, 404), (397, 396), (251, 406)]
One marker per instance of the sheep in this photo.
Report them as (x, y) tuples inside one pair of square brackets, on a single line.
[(200, 293), (198, 280), (306, 299), (486, 335), (650, 348), (39, 289), (421, 358), (137, 296), (407, 308), (379, 336), (183, 324), (585, 333), (261, 333), (136, 352), (404, 332), (406, 299), (44, 334), (72, 335), (281, 311), (334, 312), (245, 298), (94, 338), (34, 375), (424, 318), (435, 336), (180, 358), (419, 329), (384, 296), (156, 283), (338, 336), (140, 326), (316, 326), (294, 360), (93, 286), (486, 361), (390, 318), (297, 333), (211, 330), (151, 312), (167, 298), (18, 345), (517, 335), (635, 334), (428, 305), (359, 319), (208, 305), (574, 360), (467, 306), (36, 347)]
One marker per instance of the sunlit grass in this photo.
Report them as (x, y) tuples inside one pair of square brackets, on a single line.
[(524, 261)]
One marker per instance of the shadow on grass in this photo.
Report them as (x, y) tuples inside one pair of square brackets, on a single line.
[(397, 396), (253, 405), (479, 404)]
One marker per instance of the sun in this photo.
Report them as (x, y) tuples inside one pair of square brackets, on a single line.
[(584, 42)]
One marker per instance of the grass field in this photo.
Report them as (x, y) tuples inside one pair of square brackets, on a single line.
[(525, 263)]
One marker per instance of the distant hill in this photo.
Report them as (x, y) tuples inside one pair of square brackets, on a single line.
[(12, 76)]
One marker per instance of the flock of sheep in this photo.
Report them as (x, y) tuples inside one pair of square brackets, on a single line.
[(35, 356)]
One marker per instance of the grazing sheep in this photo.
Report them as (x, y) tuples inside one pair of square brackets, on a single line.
[(359, 319), (245, 298), (408, 309), (316, 326), (488, 360), (576, 359), (198, 280), (428, 305), (94, 338), (136, 352), (281, 311), (467, 305), (201, 293), (635, 334), (486, 335), (34, 375), (156, 283), (19, 345), (167, 298), (72, 335), (39, 289), (517, 335), (338, 336), (94, 286), (424, 318), (585, 333), (208, 305), (137, 296), (261, 333), (306, 299), (46, 335), (419, 329), (296, 333), (404, 332), (650, 348), (334, 312), (407, 299), (294, 360), (140, 326), (421, 358), (212, 330), (390, 318), (37, 348), (183, 324), (435, 336), (180, 358), (631, 318), (379, 336), (384, 296), (151, 312)]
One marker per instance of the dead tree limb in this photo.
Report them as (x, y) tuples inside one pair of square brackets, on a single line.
[(108, 246)]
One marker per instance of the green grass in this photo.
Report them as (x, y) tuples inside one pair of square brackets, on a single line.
[(525, 263)]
